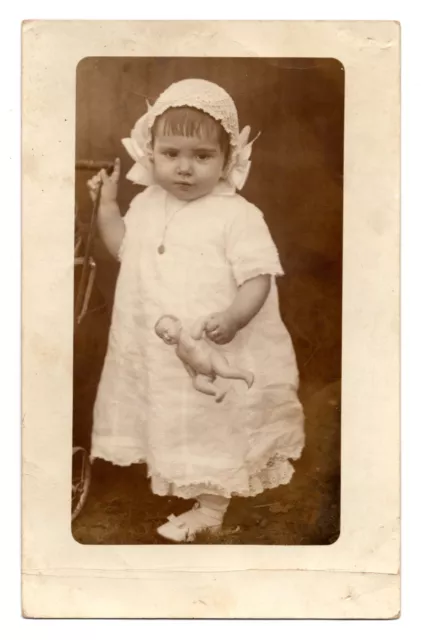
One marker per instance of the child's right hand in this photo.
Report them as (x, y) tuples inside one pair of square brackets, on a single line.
[(109, 184)]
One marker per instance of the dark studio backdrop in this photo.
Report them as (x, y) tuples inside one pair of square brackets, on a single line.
[(296, 179)]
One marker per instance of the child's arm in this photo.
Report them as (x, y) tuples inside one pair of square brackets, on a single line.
[(110, 223), (249, 300), (222, 327)]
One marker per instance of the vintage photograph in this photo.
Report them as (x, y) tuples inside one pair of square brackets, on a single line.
[(210, 319), (208, 301)]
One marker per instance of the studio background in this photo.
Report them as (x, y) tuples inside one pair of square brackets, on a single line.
[(296, 180)]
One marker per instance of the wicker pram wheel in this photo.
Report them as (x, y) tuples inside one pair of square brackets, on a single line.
[(81, 479)]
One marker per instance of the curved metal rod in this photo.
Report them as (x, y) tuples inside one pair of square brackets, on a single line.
[(94, 165), (90, 165)]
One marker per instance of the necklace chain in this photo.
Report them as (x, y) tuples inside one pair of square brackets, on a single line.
[(168, 220)]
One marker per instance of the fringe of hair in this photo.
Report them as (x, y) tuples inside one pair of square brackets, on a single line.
[(190, 122)]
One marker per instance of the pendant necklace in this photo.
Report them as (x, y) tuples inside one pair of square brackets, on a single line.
[(161, 248)]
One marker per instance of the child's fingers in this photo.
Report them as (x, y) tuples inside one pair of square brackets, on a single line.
[(93, 185), (211, 323), (94, 181), (214, 335), (115, 176), (93, 188)]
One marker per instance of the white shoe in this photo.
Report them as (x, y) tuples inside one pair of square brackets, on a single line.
[(185, 527)]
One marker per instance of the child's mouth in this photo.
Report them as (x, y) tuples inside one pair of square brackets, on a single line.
[(184, 185)]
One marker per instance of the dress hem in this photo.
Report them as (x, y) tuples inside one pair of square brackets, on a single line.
[(274, 471)]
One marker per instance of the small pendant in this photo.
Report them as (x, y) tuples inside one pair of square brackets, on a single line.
[(161, 249)]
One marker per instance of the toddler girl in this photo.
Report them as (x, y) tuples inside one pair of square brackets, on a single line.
[(191, 247)]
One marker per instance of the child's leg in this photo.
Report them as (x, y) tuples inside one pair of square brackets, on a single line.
[(216, 505), (223, 369), (205, 385)]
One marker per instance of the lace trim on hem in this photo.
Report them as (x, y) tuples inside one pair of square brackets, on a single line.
[(278, 471), (275, 471)]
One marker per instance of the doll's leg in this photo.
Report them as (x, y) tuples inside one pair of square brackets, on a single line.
[(205, 385), (223, 369)]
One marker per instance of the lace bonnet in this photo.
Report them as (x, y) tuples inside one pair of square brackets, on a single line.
[(209, 98)]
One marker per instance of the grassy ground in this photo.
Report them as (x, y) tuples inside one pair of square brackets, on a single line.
[(122, 510)]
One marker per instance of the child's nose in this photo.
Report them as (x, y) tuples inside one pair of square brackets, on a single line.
[(184, 166)]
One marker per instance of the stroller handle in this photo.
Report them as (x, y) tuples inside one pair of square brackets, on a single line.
[(94, 165)]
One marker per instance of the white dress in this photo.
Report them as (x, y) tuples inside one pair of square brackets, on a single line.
[(146, 408)]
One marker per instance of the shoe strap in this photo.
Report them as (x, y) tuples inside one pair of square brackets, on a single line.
[(192, 519)]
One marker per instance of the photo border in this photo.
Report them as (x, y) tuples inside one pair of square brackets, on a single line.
[(357, 576)]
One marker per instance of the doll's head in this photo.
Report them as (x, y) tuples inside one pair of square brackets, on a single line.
[(168, 328), (190, 150)]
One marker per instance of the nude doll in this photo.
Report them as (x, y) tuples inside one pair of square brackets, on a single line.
[(202, 362)]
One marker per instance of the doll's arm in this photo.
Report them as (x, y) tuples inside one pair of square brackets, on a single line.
[(198, 328)]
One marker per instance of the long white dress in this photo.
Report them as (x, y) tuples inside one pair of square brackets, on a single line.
[(146, 408)]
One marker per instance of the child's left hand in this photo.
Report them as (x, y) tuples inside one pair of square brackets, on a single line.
[(221, 327)]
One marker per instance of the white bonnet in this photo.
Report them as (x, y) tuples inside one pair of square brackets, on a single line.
[(209, 98)]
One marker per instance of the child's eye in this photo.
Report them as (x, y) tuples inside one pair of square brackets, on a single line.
[(203, 156), (171, 153)]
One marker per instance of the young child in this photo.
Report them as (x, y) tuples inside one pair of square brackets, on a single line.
[(191, 247)]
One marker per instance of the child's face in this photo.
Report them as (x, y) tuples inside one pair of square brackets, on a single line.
[(187, 167)]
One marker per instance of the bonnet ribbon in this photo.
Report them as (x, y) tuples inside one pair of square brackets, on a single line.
[(136, 145), (241, 163)]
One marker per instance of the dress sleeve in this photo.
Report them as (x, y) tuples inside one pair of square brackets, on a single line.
[(250, 248), (131, 221)]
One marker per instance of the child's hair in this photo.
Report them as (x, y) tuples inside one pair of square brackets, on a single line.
[(189, 121)]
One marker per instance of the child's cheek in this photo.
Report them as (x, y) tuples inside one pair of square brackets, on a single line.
[(161, 167)]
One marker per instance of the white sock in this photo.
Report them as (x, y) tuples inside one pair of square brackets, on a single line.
[(217, 505)]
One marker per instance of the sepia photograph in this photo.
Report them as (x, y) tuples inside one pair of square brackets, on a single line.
[(210, 290), (208, 256)]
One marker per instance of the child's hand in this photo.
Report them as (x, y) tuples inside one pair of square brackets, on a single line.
[(221, 327), (109, 184)]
